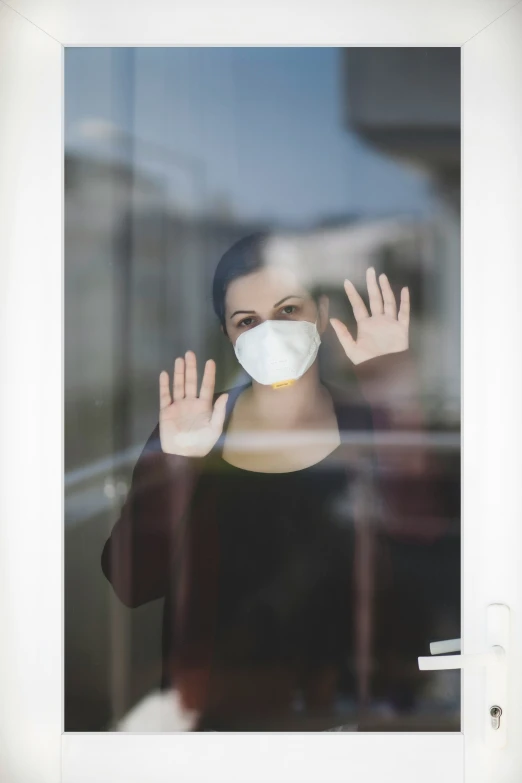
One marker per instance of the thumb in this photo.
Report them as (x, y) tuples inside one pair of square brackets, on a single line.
[(344, 336), (218, 414)]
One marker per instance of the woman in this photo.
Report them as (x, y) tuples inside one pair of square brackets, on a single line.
[(243, 509)]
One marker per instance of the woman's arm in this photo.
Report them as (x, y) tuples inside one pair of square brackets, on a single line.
[(137, 556), (409, 471), (409, 474)]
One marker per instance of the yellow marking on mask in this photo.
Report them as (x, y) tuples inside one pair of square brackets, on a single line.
[(281, 384)]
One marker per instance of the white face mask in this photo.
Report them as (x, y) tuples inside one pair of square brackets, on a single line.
[(278, 352)]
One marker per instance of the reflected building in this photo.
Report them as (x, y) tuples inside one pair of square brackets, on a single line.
[(405, 102)]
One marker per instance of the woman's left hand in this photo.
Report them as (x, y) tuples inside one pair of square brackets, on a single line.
[(382, 332)]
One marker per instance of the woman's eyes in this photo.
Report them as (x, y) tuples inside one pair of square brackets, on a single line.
[(287, 310)]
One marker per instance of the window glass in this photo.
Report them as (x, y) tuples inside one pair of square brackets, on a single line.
[(277, 559)]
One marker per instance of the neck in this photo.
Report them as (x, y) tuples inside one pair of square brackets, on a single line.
[(289, 405)]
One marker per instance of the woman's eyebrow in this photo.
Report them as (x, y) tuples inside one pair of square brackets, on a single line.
[(290, 296), (239, 312)]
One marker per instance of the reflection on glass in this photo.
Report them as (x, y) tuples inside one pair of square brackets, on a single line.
[(277, 513)]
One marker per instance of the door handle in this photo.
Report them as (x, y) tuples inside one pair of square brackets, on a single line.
[(451, 645), (494, 658), (471, 660)]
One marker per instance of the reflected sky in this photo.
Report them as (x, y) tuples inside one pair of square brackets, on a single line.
[(265, 125)]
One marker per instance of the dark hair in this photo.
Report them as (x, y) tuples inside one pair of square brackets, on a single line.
[(244, 257)]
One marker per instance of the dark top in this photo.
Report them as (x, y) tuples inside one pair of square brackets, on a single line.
[(258, 570), (285, 565)]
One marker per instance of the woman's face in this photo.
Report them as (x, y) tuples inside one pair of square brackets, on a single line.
[(272, 293)]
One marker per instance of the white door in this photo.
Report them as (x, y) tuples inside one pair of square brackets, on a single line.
[(36, 744)]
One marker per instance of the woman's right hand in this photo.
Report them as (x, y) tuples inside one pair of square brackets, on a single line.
[(189, 426)]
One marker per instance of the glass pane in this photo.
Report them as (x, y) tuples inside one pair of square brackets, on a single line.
[(277, 559)]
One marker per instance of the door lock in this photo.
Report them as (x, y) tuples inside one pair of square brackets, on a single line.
[(495, 713)]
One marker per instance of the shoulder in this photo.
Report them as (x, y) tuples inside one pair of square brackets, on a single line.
[(153, 443), (351, 409)]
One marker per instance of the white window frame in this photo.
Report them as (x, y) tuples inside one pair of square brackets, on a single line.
[(33, 34)]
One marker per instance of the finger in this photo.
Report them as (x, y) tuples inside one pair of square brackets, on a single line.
[(374, 292), (208, 381), (390, 304), (164, 391), (218, 414), (404, 309), (345, 338), (356, 301), (178, 387), (191, 375)]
